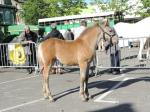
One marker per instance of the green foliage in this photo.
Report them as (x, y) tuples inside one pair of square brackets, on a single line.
[(123, 6), (145, 9), (36, 9), (111, 5)]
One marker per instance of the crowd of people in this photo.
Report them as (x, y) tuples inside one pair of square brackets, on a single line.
[(29, 37)]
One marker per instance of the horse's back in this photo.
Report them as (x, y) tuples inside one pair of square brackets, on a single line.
[(133, 30), (67, 51), (64, 50)]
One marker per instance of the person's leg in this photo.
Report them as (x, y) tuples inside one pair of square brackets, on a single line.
[(29, 69), (117, 63), (60, 71), (112, 62), (30, 58)]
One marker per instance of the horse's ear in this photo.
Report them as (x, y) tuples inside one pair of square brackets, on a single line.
[(96, 24)]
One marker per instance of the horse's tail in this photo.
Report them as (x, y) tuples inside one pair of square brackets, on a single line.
[(40, 58)]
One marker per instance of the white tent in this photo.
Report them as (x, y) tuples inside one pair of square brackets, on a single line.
[(133, 31)]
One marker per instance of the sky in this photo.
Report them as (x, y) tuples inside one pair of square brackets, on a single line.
[(87, 1)]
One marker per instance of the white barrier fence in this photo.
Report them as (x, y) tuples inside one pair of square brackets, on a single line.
[(129, 54), (24, 55)]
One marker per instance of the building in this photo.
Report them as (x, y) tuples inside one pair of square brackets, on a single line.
[(10, 12), (7, 13), (17, 4)]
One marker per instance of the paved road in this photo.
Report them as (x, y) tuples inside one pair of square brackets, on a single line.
[(127, 92)]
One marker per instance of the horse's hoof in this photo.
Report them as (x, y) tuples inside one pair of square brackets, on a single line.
[(51, 100), (85, 99), (90, 97), (46, 97)]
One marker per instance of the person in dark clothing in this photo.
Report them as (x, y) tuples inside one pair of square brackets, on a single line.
[(55, 34), (1, 35), (1, 46), (40, 35), (29, 37), (69, 35)]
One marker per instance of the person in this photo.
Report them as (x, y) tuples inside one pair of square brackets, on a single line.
[(1, 35), (29, 37), (1, 46), (55, 34), (40, 35), (79, 30), (114, 49), (69, 35), (114, 58)]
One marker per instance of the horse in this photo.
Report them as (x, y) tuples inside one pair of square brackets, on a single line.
[(76, 52), (109, 36), (137, 31)]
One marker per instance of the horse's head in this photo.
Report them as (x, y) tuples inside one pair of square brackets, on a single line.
[(99, 29), (98, 32), (108, 36)]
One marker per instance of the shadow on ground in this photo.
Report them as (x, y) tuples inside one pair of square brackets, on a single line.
[(106, 86), (119, 108)]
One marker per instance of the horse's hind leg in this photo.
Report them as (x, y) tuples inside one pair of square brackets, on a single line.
[(47, 93), (142, 43), (41, 66), (86, 84), (83, 81), (147, 54)]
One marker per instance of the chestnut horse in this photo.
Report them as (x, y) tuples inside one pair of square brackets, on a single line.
[(77, 52)]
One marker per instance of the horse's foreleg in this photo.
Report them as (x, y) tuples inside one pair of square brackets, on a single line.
[(83, 81), (47, 93)]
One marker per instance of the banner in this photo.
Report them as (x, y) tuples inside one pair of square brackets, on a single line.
[(17, 54)]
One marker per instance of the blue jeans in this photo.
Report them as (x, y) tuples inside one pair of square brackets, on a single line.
[(115, 60)]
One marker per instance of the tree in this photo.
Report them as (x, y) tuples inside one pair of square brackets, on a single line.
[(128, 7), (145, 8), (111, 5), (36, 9)]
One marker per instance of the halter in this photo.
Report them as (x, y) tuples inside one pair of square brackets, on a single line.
[(105, 33)]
